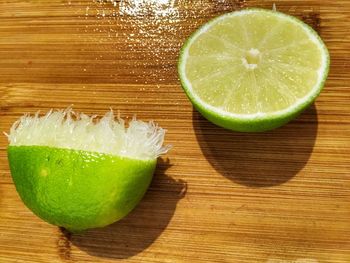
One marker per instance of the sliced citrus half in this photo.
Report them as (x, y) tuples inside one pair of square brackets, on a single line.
[(253, 70), (75, 172)]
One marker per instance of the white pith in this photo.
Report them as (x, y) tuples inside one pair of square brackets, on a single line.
[(109, 135), (321, 72)]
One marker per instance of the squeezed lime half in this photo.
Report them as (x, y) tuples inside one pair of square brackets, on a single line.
[(78, 173)]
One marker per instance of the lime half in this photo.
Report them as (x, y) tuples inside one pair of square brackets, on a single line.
[(79, 173), (253, 70)]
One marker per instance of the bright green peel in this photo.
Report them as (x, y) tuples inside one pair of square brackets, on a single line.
[(78, 190)]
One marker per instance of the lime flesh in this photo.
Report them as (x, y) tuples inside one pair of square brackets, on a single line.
[(78, 190), (253, 70)]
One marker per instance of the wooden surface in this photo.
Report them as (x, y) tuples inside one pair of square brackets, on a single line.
[(218, 196)]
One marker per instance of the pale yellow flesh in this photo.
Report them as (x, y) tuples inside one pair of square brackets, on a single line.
[(254, 63)]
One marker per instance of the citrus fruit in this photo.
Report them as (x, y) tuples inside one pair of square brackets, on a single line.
[(78, 173), (253, 70)]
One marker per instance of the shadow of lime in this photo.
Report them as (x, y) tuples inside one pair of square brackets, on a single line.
[(259, 159), (141, 227)]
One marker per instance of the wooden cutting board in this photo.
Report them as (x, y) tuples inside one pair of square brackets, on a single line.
[(218, 196)]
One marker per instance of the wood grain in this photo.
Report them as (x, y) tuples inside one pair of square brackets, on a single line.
[(219, 196)]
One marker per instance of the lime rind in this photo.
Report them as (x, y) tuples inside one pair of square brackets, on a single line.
[(257, 121), (78, 190)]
